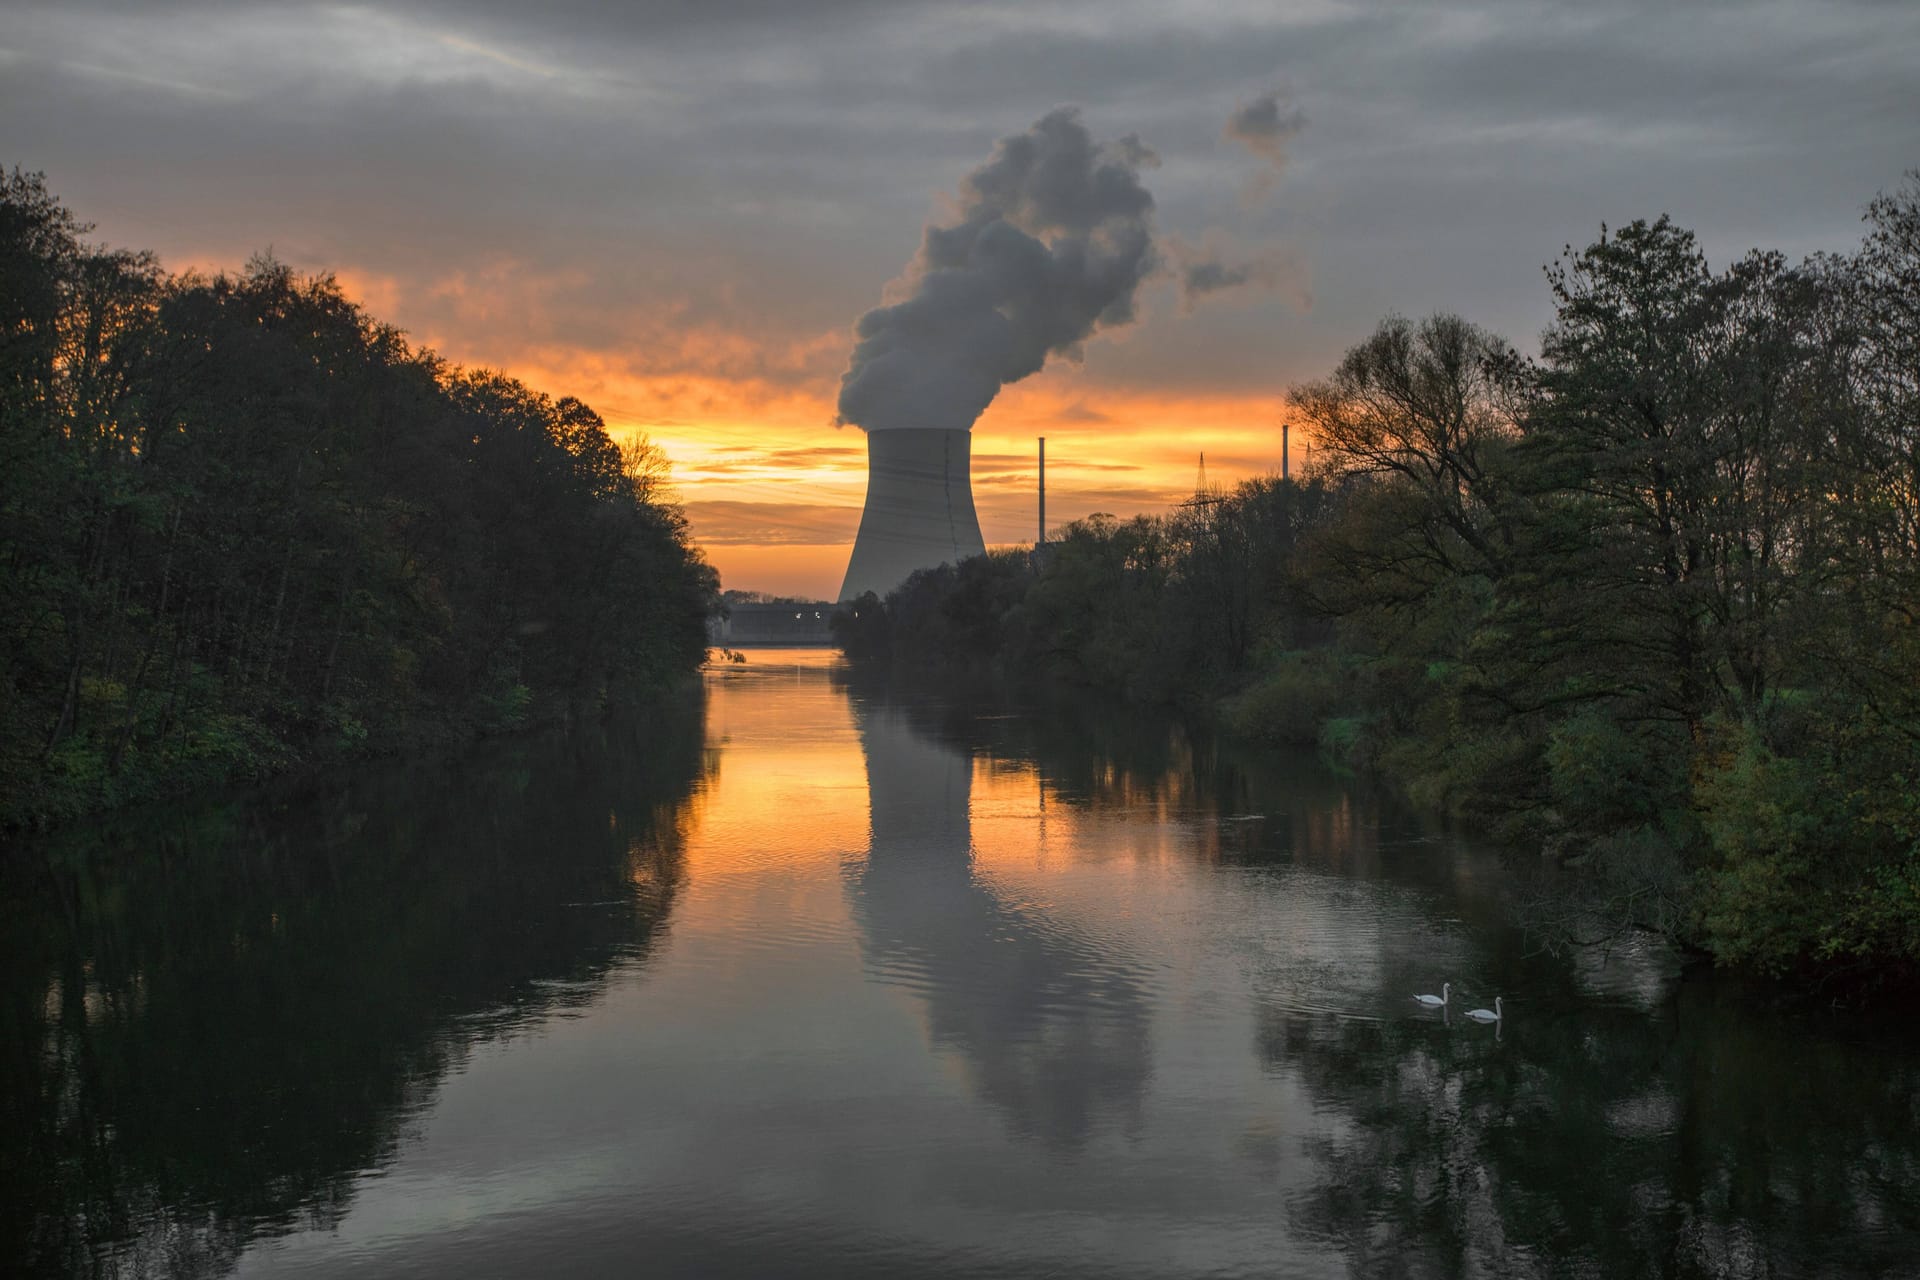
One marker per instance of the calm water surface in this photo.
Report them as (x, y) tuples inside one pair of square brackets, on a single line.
[(803, 980)]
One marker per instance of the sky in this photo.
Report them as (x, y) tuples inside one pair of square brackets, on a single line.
[(677, 210)]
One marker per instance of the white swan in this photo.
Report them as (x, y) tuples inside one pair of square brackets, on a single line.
[(1439, 1001), (1488, 1015)]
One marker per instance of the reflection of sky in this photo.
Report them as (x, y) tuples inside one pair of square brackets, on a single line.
[(913, 1010)]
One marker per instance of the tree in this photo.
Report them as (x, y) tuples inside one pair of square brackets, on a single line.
[(243, 524), (1422, 407)]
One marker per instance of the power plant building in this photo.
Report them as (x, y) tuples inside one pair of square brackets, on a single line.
[(919, 509)]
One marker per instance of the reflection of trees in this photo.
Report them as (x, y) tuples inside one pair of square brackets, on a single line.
[(213, 1037), (1106, 756), (1687, 1144), (1051, 1030), (1095, 750)]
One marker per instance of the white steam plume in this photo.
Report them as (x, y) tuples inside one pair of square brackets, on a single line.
[(1054, 234)]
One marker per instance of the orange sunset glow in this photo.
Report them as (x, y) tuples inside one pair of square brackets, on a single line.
[(773, 488), (679, 217)]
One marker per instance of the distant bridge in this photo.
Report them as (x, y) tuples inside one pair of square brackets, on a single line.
[(793, 625)]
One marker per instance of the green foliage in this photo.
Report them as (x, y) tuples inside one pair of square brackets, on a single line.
[(1771, 822), (505, 708), (1603, 776), (1649, 603), (1160, 610), (959, 612), (1806, 867), (243, 525), (1488, 774), (1290, 702), (1344, 740)]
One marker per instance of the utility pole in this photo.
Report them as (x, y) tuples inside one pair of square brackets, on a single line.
[(1043, 492)]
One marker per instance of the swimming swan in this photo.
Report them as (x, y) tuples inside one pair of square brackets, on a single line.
[(1439, 1001), (1488, 1015)]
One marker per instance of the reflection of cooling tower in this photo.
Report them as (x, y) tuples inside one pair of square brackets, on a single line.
[(1049, 1022), (919, 510)]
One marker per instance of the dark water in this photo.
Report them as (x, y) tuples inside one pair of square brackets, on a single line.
[(802, 981)]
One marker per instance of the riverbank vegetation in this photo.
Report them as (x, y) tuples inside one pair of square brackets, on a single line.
[(245, 526), (1648, 601)]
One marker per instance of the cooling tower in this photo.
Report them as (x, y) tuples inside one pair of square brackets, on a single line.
[(919, 510)]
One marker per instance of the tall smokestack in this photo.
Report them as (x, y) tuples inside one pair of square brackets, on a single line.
[(919, 510), (1043, 491), (1286, 448)]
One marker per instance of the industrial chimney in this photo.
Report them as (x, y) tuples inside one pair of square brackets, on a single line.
[(919, 510)]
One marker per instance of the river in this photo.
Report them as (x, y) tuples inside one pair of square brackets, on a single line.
[(798, 979)]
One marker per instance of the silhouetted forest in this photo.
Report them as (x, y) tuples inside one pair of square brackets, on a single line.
[(1648, 602), (244, 526)]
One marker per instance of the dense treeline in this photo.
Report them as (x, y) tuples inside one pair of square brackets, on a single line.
[(1649, 601), (243, 525)]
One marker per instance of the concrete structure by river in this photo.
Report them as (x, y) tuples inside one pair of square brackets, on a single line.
[(791, 623)]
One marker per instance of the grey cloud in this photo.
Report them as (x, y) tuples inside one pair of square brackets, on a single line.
[(1266, 124), (628, 18), (1211, 276), (1053, 237), (760, 164), (1210, 267)]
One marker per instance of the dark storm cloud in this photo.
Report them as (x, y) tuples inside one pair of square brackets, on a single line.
[(1050, 241)]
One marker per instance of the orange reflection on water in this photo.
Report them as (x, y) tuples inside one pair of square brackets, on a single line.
[(792, 789), (1163, 805)]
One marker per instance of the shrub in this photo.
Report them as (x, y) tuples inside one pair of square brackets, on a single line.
[(1291, 702)]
